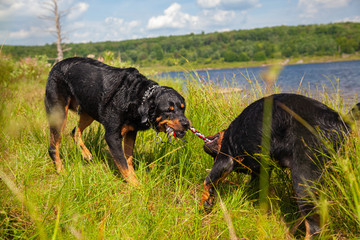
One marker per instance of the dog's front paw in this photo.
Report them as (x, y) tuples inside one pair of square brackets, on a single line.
[(208, 198)]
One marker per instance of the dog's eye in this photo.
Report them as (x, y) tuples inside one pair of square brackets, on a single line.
[(171, 108), (182, 106)]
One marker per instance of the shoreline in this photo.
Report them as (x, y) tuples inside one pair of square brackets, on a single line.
[(284, 62)]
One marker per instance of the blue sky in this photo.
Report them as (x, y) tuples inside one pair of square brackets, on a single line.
[(114, 20)]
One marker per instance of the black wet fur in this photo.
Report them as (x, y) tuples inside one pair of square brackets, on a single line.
[(112, 96), (292, 144)]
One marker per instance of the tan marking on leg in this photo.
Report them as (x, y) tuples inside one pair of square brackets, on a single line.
[(126, 128), (308, 234), (206, 194), (128, 150), (129, 175), (55, 141), (85, 121), (57, 159), (220, 140), (129, 136), (129, 142), (65, 117)]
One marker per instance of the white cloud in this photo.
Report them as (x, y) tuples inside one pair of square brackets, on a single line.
[(208, 18), (229, 4), (120, 24), (33, 31), (350, 19), (84, 35), (77, 10), (111, 28), (173, 18), (10, 9), (217, 17), (113, 20), (16, 9), (20, 34), (133, 24), (311, 7), (208, 3), (225, 12)]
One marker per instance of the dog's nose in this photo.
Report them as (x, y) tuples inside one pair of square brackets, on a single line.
[(185, 123)]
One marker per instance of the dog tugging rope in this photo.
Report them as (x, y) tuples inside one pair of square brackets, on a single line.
[(200, 135), (171, 133)]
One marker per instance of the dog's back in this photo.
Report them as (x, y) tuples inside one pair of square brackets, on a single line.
[(295, 121), (90, 84)]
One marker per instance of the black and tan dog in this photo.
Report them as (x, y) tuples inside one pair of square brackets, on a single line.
[(121, 99), (301, 130)]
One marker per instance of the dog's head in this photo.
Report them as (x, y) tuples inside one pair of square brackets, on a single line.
[(165, 110), (214, 145)]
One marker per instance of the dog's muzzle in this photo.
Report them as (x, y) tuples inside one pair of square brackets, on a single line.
[(176, 132)]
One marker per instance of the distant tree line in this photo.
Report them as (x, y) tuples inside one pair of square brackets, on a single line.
[(233, 46)]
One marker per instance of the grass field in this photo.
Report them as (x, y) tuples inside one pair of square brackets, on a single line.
[(92, 201)]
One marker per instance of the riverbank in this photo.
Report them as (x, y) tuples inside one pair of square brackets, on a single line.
[(190, 66)]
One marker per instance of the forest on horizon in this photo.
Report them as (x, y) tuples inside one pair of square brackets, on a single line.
[(259, 44)]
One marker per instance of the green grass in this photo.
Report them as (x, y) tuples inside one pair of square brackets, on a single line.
[(92, 201)]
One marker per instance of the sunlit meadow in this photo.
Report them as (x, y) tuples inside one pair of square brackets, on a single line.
[(92, 201)]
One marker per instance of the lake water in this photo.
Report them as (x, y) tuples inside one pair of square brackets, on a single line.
[(314, 75)]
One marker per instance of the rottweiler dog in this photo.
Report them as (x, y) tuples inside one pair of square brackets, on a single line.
[(121, 99), (301, 131)]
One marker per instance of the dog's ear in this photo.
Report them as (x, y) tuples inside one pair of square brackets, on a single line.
[(144, 113), (213, 147)]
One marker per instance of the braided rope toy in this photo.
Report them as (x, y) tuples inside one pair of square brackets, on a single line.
[(171, 133), (200, 135)]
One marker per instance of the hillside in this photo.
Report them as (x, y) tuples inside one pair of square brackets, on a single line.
[(256, 45)]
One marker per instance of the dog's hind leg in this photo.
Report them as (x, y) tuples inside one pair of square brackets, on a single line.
[(305, 172), (222, 167), (308, 211), (85, 121), (57, 116)]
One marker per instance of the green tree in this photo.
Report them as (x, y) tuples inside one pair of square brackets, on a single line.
[(237, 45), (159, 53), (243, 57), (230, 56), (347, 45), (260, 56)]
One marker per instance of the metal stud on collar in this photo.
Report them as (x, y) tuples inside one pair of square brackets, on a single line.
[(149, 92)]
